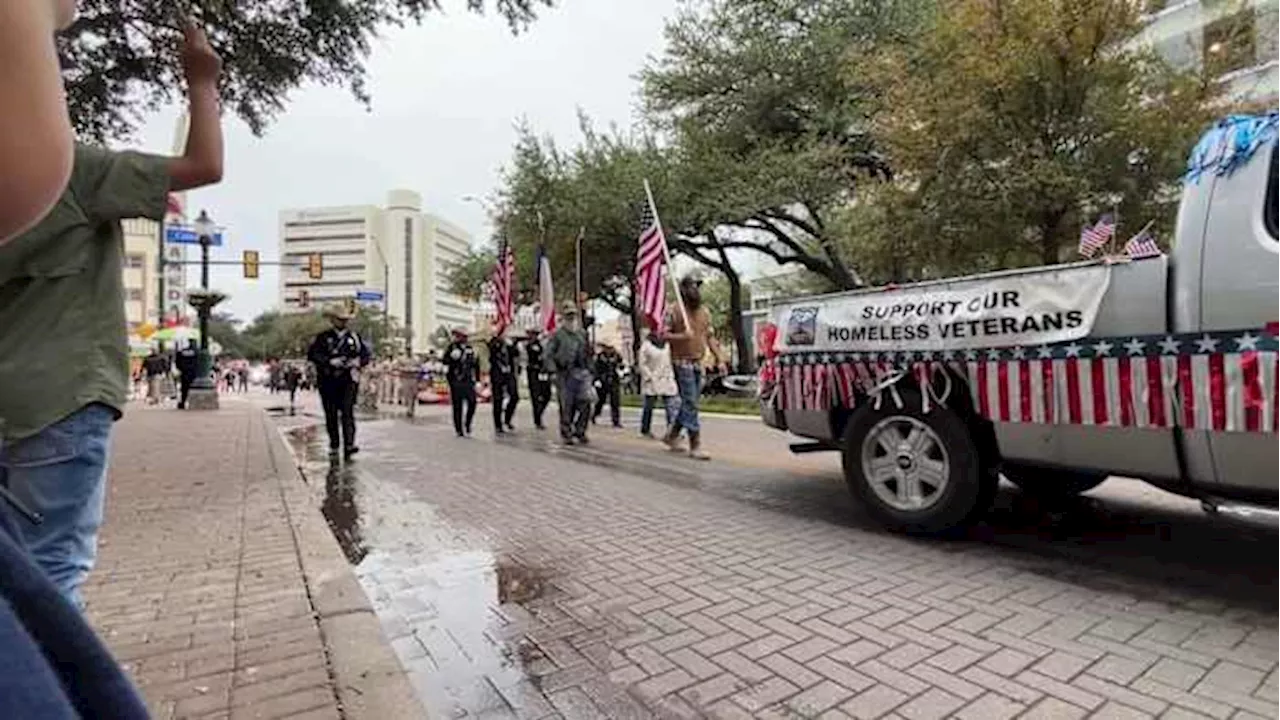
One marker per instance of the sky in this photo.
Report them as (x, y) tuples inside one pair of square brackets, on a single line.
[(446, 97)]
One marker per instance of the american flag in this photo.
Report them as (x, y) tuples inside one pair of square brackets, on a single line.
[(651, 265), (502, 281), (1142, 245), (1094, 237), (1222, 381)]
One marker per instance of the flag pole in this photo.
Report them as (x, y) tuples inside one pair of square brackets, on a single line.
[(577, 270), (666, 251)]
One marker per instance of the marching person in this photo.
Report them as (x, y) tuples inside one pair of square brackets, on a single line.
[(688, 346), (462, 370), (188, 364), (608, 363), (538, 377), (657, 379), (567, 359), (292, 376), (338, 355), (409, 369), (502, 382)]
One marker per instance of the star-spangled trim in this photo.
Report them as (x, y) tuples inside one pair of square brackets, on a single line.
[(1131, 346)]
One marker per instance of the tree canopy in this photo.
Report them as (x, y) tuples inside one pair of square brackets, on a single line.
[(120, 58)]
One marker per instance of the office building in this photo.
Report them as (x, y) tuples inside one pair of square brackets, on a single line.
[(141, 274), (1233, 40), (397, 251)]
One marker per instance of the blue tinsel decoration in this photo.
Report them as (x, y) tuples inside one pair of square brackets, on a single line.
[(1229, 144)]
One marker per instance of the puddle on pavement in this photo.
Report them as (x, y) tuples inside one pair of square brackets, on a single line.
[(452, 608)]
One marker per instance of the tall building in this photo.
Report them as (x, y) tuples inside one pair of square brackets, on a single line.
[(142, 287), (397, 250), (1233, 40)]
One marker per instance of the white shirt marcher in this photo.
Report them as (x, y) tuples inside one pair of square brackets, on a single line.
[(656, 375)]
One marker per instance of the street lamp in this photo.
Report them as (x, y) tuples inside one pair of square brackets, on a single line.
[(204, 395)]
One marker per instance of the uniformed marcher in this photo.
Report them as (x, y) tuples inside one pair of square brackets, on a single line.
[(462, 370), (568, 359), (338, 354), (409, 371), (608, 384), (188, 364), (502, 383), (538, 377)]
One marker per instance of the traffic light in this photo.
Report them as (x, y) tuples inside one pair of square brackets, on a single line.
[(251, 264), (315, 266), (304, 299)]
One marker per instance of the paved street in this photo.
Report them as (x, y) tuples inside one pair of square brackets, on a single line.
[(518, 578)]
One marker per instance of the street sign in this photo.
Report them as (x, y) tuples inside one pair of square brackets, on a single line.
[(184, 235), (369, 295)]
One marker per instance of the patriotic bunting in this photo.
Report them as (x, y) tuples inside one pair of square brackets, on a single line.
[(1218, 381)]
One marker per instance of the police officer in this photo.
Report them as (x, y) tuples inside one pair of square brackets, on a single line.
[(608, 387), (462, 370), (538, 377), (502, 382), (338, 354), (567, 358), (188, 364)]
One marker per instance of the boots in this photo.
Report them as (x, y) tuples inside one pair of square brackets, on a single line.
[(672, 439), (695, 447)]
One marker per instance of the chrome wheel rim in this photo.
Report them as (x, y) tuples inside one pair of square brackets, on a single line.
[(905, 463)]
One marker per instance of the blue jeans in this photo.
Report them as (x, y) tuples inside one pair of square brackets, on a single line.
[(60, 473), (670, 403), (689, 380)]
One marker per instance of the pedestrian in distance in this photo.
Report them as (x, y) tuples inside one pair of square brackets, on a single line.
[(537, 376), (688, 346), (154, 365), (408, 370), (188, 362), (63, 277), (657, 380), (608, 366), (292, 378), (568, 359), (338, 355), (462, 371), (502, 382)]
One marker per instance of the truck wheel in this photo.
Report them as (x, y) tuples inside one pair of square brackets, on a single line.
[(1050, 482), (913, 471)]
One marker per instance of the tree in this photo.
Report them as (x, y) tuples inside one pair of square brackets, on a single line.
[(224, 330), (768, 129), (1012, 124), (469, 277), (120, 58)]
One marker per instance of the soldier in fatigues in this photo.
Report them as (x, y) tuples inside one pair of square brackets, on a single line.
[(502, 383), (462, 370), (338, 354), (538, 377), (568, 359)]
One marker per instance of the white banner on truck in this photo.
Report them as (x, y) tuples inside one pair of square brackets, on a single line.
[(1026, 309)]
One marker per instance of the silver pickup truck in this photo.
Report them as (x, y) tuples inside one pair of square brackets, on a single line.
[(1162, 368)]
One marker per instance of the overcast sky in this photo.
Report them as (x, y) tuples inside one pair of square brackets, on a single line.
[(445, 99)]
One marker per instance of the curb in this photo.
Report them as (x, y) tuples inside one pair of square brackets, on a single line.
[(368, 679)]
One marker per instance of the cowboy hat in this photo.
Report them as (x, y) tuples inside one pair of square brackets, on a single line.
[(339, 312)]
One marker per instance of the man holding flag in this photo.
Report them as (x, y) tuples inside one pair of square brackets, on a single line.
[(502, 370), (535, 361)]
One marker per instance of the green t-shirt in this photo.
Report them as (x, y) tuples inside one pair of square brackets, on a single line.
[(63, 335)]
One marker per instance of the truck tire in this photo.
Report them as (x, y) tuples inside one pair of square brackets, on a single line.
[(1051, 482), (915, 472)]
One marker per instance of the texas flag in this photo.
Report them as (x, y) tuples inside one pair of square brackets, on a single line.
[(546, 294)]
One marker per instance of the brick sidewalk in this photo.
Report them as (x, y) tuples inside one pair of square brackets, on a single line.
[(211, 571)]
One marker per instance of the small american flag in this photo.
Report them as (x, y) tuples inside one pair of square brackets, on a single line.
[(1094, 237), (1142, 245), (503, 279), (651, 264)]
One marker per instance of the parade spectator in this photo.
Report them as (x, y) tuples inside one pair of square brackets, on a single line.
[(155, 366), (62, 296)]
